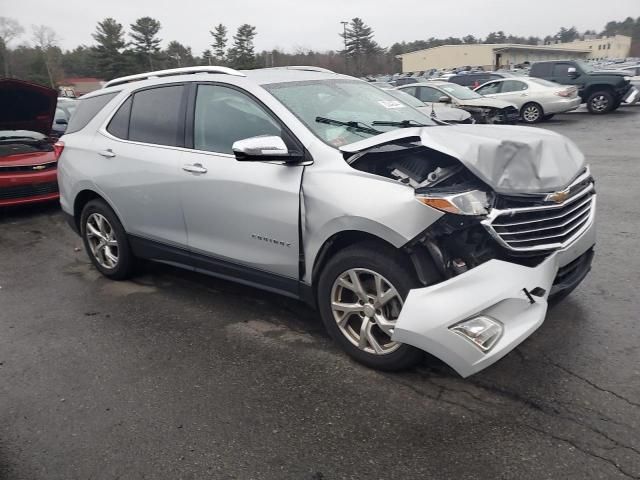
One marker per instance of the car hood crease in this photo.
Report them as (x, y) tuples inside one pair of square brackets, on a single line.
[(510, 159)]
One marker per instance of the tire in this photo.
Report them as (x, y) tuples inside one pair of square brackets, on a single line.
[(105, 241), (546, 118), (531, 113), (600, 102), (366, 261)]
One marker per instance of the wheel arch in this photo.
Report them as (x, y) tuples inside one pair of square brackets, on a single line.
[(597, 87), (82, 198)]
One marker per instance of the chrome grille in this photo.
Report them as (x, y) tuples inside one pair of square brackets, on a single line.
[(546, 227)]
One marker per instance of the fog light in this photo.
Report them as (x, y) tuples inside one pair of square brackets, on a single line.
[(483, 332)]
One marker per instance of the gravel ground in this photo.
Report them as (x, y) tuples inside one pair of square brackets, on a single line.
[(179, 376)]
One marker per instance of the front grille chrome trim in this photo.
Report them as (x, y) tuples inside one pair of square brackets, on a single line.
[(556, 231)]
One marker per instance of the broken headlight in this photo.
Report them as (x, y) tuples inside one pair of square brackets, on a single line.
[(472, 202)]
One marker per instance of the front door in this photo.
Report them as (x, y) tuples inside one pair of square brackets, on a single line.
[(241, 217)]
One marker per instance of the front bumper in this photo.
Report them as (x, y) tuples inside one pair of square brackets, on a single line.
[(22, 188), (632, 96), (495, 289)]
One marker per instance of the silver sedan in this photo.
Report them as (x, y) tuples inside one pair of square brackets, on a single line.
[(537, 99)]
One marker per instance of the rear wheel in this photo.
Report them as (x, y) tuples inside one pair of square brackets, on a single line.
[(106, 241), (600, 102), (361, 291), (531, 113)]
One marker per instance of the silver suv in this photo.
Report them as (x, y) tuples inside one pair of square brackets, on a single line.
[(407, 236)]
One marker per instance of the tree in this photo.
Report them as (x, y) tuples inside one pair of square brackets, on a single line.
[(359, 44), (145, 41), (206, 57), (469, 39), (219, 44), (9, 30), (179, 55), (109, 60), (45, 38), (496, 37), (241, 55), (566, 35)]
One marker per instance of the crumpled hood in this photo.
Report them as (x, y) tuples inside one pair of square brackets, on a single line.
[(509, 159), (26, 106), (485, 102)]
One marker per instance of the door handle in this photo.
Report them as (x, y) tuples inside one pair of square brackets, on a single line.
[(194, 168), (108, 153)]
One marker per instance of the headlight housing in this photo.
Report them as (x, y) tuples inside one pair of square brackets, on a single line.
[(627, 78), (472, 202)]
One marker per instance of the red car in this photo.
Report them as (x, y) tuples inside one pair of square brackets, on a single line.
[(28, 156)]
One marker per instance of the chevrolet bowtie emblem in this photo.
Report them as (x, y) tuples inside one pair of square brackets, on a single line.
[(558, 197), (39, 167)]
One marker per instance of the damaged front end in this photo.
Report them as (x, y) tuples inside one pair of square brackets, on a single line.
[(518, 227)]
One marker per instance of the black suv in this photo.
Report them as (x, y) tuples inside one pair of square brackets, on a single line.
[(602, 91)]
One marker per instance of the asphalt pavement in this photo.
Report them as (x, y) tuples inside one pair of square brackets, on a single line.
[(176, 375)]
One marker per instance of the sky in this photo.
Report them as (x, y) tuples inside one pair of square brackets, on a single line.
[(302, 24)]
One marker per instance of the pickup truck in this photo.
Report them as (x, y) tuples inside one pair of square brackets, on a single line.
[(602, 91)]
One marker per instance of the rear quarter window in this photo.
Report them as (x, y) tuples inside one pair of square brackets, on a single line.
[(87, 109), (541, 69)]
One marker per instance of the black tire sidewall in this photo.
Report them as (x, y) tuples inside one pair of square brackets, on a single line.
[(610, 101), (391, 266), (125, 265)]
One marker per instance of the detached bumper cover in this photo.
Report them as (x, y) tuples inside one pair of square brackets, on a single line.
[(493, 289)]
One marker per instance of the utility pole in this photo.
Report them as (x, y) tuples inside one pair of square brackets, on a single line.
[(344, 37)]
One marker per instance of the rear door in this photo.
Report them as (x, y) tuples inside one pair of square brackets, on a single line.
[(241, 217), (513, 91), (137, 163)]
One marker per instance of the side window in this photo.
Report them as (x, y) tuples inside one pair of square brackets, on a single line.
[(428, 94), (489, 88), (224, 115), (410, 91), (119, 124), (513, 86), (156, 116), (87, 109), (561, 69), (541, 70)]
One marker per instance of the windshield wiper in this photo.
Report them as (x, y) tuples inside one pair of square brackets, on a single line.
[(401, 123), (354, 125)]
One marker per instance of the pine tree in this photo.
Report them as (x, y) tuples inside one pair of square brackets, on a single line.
[(107, 54), (145, 41), (359, 44), (219, 44), (242, 55)]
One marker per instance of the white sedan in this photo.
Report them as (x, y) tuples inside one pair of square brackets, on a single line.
[(537, 99)]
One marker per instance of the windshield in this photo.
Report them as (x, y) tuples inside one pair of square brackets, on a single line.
[(322, 105), (458, 91)]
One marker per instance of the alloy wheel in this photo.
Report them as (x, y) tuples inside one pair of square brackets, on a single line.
[(102, 240), (531, 114), (366, 306), (600, 103)]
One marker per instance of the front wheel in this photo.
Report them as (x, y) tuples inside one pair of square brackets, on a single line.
[(105, 241), (531, 113), (361, 292), (600, 102)]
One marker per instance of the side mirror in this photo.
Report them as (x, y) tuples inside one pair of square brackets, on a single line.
[(572, 72), (444, 99), (262, 148)]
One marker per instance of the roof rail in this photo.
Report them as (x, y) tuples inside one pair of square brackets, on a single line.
[(173, 71), (305, 68)]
